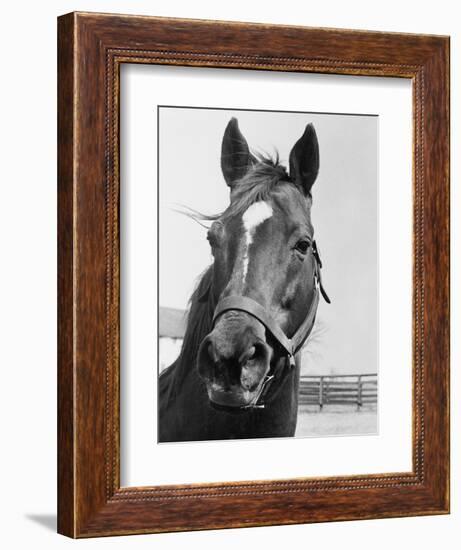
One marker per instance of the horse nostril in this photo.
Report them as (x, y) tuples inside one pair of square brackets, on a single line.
[(258, 352), (255, 363), (206, 358), (248, 355), (211, 351)]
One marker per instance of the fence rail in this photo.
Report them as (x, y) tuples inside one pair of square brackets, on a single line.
[(341, 389)]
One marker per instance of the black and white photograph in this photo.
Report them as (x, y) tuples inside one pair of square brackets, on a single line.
[(229, 236), (267, 274)]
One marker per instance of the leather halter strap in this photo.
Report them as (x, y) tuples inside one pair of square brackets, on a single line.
[(250, 306)]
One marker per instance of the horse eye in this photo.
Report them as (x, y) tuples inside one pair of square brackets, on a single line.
[(212, 238), (302, 246), (214, 234)]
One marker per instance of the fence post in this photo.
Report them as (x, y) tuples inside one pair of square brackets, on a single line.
[(359, 392), (321, 393)]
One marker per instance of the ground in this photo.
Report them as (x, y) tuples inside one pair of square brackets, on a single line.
[(336, 420)]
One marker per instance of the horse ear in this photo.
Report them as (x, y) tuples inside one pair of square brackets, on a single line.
[(304, 160), (235, 154)]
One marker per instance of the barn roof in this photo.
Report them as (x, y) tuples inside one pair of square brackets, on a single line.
[(172, 322)]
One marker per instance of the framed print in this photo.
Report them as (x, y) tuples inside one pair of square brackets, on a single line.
[(253, 278)]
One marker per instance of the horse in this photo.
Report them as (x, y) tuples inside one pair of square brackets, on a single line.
[(237, 374)]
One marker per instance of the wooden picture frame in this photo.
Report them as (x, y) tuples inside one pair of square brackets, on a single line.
[(92, 48)]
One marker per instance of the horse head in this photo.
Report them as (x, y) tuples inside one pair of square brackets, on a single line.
[(266, 270)]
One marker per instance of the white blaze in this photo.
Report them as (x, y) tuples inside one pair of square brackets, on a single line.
[(256, 214)]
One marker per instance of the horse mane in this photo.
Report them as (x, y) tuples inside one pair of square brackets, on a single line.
[(200, 315)]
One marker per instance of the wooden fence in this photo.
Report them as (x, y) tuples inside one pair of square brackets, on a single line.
[(341, 389)]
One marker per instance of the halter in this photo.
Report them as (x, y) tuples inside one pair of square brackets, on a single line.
[(292, 345)]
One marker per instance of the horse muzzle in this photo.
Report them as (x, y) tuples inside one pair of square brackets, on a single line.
[(234, 361)]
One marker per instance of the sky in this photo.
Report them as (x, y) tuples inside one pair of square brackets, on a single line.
[(344, 214)]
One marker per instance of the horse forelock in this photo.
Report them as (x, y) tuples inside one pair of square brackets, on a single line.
[(256, 185), (263, 177)]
